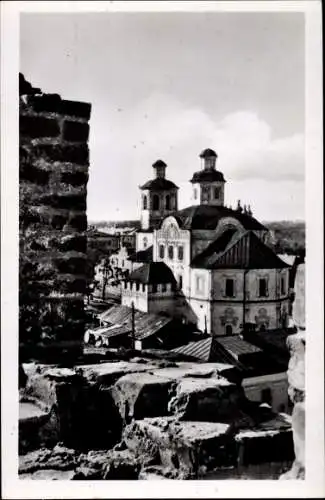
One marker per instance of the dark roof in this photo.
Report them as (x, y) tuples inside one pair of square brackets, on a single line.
[(159, 163), (206, 153), (206, 348), (207, 176), (200, 349), (120, 319), (237, 346), (153, 273), (216, 247), (159, 184), (232, 350), (208, 217), (143, 255), (274, 341), (244, 251)]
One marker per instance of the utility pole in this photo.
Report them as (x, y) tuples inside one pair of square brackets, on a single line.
[(133, 324)]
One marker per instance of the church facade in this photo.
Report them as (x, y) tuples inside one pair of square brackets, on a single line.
[(225, 275)]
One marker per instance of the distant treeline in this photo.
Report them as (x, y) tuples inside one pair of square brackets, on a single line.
[(288, 236), (119, 223)]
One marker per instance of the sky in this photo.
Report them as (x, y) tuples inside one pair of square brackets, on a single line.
[(167, 85)]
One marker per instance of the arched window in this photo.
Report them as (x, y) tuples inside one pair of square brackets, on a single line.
[(195, 193), (155, 202), (145, 202), (228, 330), (161, 251), (167, 202), (180, 281), (171, 252), (180, 253), (217, 193), (262, 288), (145, 242)]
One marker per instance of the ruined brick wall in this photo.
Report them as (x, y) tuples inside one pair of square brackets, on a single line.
[(53, 170)]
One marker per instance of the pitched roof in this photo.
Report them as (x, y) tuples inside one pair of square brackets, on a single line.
[(143, 255), (207, 176), (216, 247), (274, 342), (237, 346), (232, 350), (200, 349), (244, 251), (119, 319), (159, 184), (208, 217), (153, 273)]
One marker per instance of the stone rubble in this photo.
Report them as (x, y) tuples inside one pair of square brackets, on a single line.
[(142, 420)]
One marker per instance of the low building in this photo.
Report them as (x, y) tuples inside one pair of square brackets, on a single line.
[(150, 288), (121, 326), (263, 378)]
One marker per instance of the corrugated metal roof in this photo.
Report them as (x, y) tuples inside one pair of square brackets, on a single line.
[(237, 346), (219, 349), (199, 349), (120, 320)]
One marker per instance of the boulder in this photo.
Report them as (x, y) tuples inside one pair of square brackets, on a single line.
[(59, 458), (111, 464), (49, 475), (182, 446), (197, 370), (212, 400), (140, 395), (108, 373), (158, 473), (37, 427), (84, 414), (264, 445)]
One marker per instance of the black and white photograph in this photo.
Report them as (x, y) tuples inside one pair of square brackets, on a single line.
[(165, 185)]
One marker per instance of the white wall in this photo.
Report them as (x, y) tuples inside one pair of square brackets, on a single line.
[(171, 235), (277, 383), (141, 238), (266, 310), (138, 297)]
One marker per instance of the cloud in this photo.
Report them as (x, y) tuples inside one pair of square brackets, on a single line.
[(125, 142)]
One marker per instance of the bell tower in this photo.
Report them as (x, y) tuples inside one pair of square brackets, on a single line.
[(158, 197), (208, 183)]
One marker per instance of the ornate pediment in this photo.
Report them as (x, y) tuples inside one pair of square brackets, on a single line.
[(229, 317), (170, 229)]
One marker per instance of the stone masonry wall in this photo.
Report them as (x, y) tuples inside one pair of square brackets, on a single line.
[(53, 176)]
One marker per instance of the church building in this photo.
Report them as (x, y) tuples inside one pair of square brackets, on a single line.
[(225, 276)]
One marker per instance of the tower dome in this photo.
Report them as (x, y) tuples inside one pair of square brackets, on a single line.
[(158, 198), (208, 183)]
